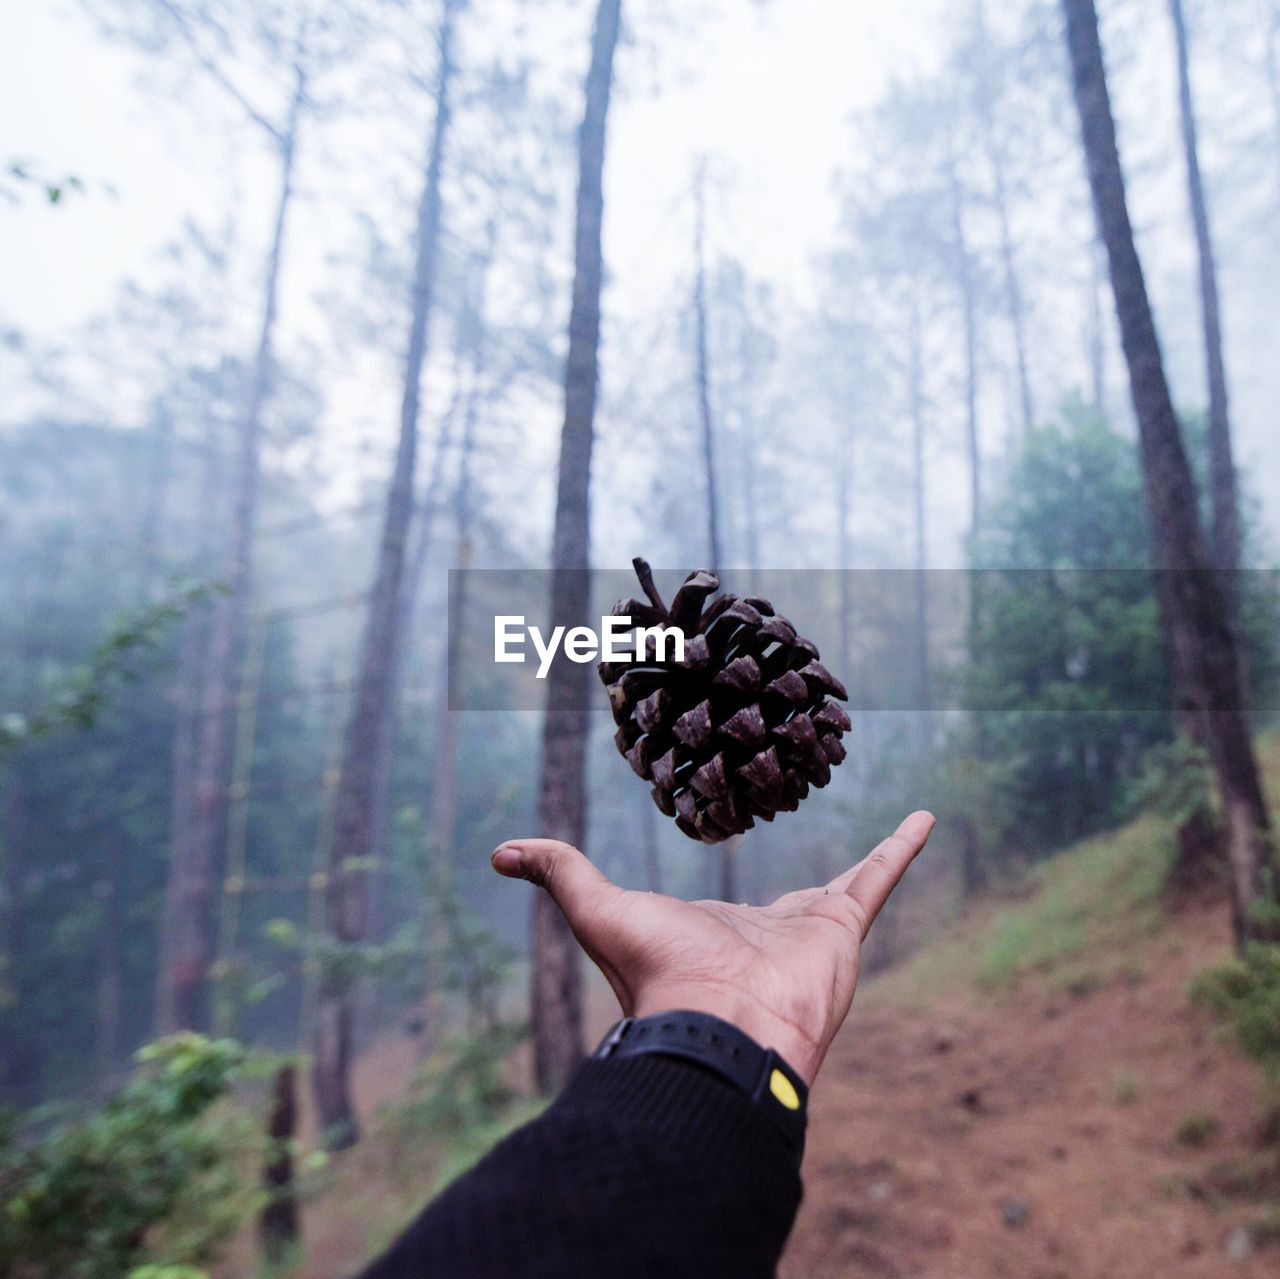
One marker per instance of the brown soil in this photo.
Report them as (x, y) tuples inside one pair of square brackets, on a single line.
[(1033, 1135)]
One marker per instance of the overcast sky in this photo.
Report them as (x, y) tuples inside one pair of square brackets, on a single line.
[(760, 77), (767, 89)]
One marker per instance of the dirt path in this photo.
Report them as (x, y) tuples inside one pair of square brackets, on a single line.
[(1034, 1135)]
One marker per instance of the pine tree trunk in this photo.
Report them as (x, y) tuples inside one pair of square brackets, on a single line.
[(20, 1063), (968, 310), (110, 976), (702, 373), (729, 849), (1097, 338), (1008, 254), (444, 773), (652, 852), (187, 930), (1202, 642), (556, 995), (969, 313), (844, 462), (373, 704), (153, 502), (437, 887), (1273, 76), (278, 1228), (750, 506), (1013, 297), (916, 395), (1224, 542), (109, 980)]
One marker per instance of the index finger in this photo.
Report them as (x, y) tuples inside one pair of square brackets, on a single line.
[(869, 883)]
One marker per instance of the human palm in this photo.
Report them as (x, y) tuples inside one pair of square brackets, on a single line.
[(784, 973)]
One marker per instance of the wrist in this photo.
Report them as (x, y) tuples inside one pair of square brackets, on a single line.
[(801, 1052), (763, 1075)]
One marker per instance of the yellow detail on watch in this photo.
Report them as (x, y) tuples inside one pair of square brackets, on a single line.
[(784, 1090)]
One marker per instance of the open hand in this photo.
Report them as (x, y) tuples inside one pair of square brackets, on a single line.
[(783, 973)]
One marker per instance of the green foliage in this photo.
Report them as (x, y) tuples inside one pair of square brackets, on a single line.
[(1103, 890), (1175, 779), (148, 1178), (458, 1105), (167, 1272), (19, 174), (978, 796), (1067, 655), (79, 701), (87, 815), (1067, 662), (1125, 1087), (1196, 1129), (462, 1085), (1245, 993), (349, 962)]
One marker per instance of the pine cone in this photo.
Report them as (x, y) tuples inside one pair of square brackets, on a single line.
[(742, 727)]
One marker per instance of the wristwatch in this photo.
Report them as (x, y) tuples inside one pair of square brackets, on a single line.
[(723, 1049)]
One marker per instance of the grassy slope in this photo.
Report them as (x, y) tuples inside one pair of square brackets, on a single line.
[(1033, 1094)]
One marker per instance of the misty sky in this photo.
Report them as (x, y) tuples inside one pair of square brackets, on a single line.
[(767, 89)]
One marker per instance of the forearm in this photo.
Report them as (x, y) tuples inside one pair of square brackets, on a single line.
[(644, 1166)]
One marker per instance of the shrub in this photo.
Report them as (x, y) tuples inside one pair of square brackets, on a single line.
[(1245, 993), (1125, 1086), (97, 1197), (1196, 1129)]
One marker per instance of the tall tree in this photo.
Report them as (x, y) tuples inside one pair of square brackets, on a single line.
[(916, 402), (1096, 338), (986, 99), (556, 994), (187, 929), (706, 423), (967, 288), (442, 835), (702, 369), (1224, 540), (368, 734), (1201, 643)]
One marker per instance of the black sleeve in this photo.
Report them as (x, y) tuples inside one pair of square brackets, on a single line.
[(645, 1166)]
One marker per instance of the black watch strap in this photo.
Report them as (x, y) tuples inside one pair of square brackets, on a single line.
[(724, 1049)]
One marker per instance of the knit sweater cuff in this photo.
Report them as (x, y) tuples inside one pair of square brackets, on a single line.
[(685, 1106)]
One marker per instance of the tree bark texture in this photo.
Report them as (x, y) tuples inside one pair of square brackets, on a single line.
[(278, 1227), (1225, 531), (556, 994), (1193, 613), (915, 374), (444, 773), (702, 374), (968, 311), (187, 929), (1000, 191), (702, 371), (367, 739)]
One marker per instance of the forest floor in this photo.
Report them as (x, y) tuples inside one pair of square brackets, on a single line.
[(1035, 1096), (1032, 1094)]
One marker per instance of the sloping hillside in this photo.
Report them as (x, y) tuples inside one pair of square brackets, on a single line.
[(1034, 1096)]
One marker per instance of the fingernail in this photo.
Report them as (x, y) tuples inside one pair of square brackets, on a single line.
[(508, 859)]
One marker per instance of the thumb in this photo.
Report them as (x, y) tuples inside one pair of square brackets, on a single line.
[(871, 881), (573, 882)]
